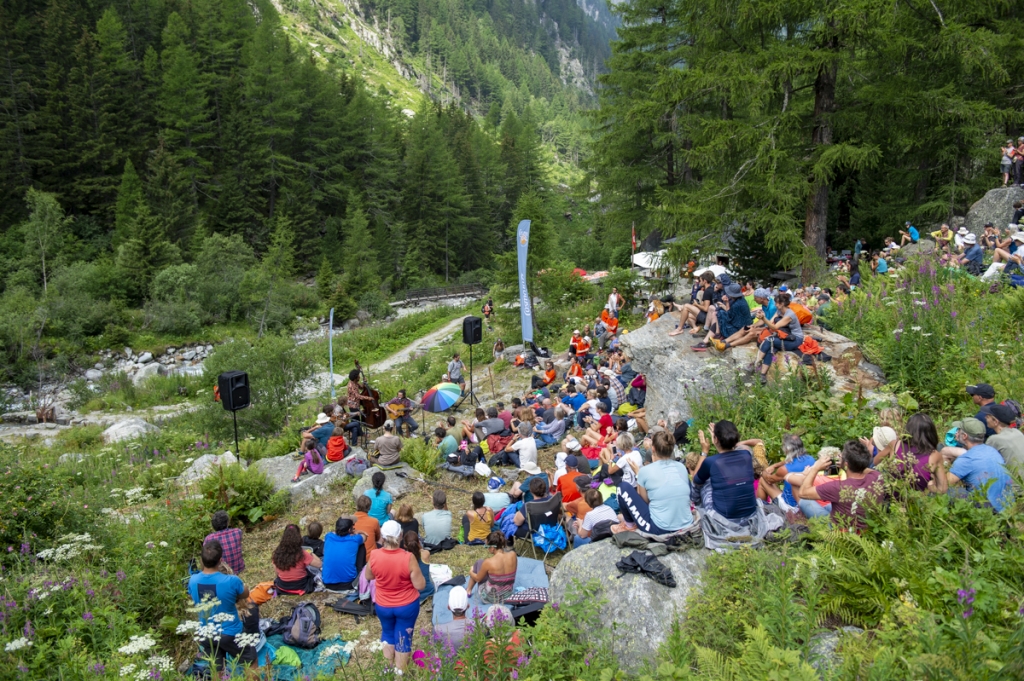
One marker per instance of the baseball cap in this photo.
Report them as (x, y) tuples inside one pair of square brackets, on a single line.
[(571, 461), (982, 390), (389, 424), (882, 437), (583, 481), (391, 530), (458, 599), (1002, 413), (971, 426), (494, 483)]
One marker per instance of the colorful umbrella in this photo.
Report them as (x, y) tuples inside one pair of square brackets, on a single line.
[(441, 397)]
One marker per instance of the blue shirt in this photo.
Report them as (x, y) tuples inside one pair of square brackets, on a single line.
[(731, 475), (575, 401), (883, 266), (736, 317), (222, 588), (323, 433), (769, 309), (983, 465), (379, 504), (797, 465), (340, 557), (668, 488), (974, 254), (914, 234)]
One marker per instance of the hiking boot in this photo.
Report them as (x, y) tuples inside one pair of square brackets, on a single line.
[(700, 347), (719, 345)]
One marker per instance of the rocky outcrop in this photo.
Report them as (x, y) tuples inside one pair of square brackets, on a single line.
[(924, 246), (148, 371), (281, 469), (995, 207), (129, 429), (675, 372), (394, 483), (642, 610), (204, 465)]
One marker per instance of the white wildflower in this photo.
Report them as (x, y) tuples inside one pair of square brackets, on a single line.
[(887, 545), (137, 644), (128, 670), (211, 632), (374, 646), (17, 644), (920, 302), (915, 293), (164, 544), (329, 651), (247, 640), (187, 627), (161, 662), (926, 334), (915, 328), (222, 617)]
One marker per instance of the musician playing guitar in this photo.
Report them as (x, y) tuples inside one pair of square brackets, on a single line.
[(401, 409), (354, 401)]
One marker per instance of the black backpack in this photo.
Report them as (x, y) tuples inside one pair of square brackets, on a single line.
[(303, 626)]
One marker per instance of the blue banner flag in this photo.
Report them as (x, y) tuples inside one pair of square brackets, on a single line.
[(525, 309)]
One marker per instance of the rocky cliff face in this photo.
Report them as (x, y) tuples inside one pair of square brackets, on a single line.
[(995, 207), (675, 372)]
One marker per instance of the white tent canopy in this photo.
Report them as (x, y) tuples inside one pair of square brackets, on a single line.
[(648, 260), (714, 269)]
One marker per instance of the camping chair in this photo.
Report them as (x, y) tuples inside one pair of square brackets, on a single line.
[(546, 512)]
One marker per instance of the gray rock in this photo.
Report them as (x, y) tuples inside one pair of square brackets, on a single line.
[(205, 465), (93, 375), (995, 207), (171, 351), (641, 611), (363, 315), (512, 350), (189, 356), (281, 469), (127, 351), (148, 371), (924, 246), (209, 349), (128, 429), (71, 457), (823, 647), (145, 357), (98, 365), (397, 486)]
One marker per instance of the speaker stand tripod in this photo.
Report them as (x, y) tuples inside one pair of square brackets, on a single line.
[(234, 417), (471, 395)]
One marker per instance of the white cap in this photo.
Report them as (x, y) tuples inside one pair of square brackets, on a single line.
[(391, 530), (531, 468), (458, 599), (389, 424)]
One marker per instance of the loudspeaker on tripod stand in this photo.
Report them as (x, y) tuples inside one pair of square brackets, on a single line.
[(234, 390), (472, 330)]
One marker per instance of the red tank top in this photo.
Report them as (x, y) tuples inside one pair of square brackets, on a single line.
[(391, 572)]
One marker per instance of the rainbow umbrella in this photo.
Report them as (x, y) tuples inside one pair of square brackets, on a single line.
[(441, 397)]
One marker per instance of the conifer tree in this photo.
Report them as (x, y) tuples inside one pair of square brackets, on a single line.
[(129, 196)]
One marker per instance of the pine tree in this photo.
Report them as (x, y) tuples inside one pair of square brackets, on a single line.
[(129, 196), (325, 279), (360, 259)]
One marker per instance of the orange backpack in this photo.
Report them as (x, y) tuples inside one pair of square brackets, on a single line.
[(810, 346), (802, 313)]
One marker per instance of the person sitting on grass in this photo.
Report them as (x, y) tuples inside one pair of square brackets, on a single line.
[(446, 443), (311, 461), (796, 461), (725, 481), (388, 446), (659, 504), (221, 591), (599, 512), (292, 564), (597, 429), (919, 459), (367, 525), (469, 427), (344, 556), (850, 498), (230, 541), (1008, 441), (616, 459), (455, 632), (980, 469), (549, 434), (406, 518), (437, 524), (787, 335), (311, 541), (494, 577), (539, 491), (476, 523), (380, 500)]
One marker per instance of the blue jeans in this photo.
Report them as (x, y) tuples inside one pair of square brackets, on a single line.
[(397, 625), (633, 507), (407, 421), (812, 509), (578, 541), (771, 345), (545, 440)]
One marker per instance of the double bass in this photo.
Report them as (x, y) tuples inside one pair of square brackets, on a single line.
[(373, 415)]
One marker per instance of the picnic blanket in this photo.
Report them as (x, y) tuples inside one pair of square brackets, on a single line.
[(529, 574), (315, 663)]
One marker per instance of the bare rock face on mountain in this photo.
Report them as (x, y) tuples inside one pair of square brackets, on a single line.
[(675, 372), (995, 207)]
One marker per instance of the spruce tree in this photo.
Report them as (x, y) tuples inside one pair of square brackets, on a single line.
[(129, 196)]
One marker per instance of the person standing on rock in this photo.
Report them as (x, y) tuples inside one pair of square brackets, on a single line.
[(1006, 162), (455, 368), (615, 303), (1018, 163)]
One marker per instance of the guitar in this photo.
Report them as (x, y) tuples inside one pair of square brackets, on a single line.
[(397, 411)]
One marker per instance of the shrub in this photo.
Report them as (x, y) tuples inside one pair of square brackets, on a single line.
[(246, 494), (421, 455)]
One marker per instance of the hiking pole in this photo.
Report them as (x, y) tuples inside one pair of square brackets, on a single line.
[(439, 484)]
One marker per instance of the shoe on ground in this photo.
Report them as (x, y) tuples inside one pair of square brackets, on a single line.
[(719, 345), (700, 347)]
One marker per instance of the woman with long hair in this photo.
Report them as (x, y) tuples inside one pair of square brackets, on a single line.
[(496, 575), (292, 564), (920, 454), (399, 580), (411, 543), (380, 500)]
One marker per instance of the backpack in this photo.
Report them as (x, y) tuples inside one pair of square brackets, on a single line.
[(810, 346), (303, 627), (803, 315), (356, 466)]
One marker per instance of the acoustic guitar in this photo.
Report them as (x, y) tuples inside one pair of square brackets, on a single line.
[(397, 411)]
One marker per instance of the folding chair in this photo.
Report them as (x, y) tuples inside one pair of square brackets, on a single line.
[(546, 512)]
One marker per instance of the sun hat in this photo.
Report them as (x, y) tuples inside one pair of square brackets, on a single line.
[(531, 468), (970, 239), (883, 436), (983, 390), (322, 418), (971, 426), (962, 231), (496, 614), (571, 461), (1018, 236), (734, 291), (482, 469), (573, 445), (458, 599), (762, 293), (391, 530), (1003, 413)]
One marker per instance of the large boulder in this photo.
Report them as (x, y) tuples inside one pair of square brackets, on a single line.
[(148, 371), (675, 372), (204, 465), (512, 351), (281, 469), (995, 207), (641, 611), (923, 246), (129, 429), (394, 483)]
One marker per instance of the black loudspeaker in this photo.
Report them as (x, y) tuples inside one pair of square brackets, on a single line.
[(234, 390), (472, 330)]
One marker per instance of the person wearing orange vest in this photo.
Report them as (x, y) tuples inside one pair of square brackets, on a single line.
[(583, 348), (573, 342)]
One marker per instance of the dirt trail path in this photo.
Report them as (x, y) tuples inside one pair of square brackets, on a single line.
[(429, 341)]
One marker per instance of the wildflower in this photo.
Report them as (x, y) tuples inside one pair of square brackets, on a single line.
[(137, 644), (98, 668), (915, 328), (87, 616), (17, 644), (953, 314), (128, 670), (164, 544), (120, 575)]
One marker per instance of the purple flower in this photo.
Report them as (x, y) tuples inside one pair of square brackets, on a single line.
[(120, 575), (515, 674), (90, 593), (968, 612), (155, 674), (982, 366), (953, 314), (87, 616), (965, 596), (97, 668), (25, 548), (28, 631), (935, 290), (23, 669), (898, 334), (950, 288), (554, 606), (150, 545)]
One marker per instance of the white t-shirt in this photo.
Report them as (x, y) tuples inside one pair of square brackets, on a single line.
[(527, 448), (627, 471), (596, 515)]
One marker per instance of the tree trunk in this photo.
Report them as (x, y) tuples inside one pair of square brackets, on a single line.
[(821, 136)]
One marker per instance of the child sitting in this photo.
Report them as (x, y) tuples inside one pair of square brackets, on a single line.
[(311, 461), (312, 540)]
